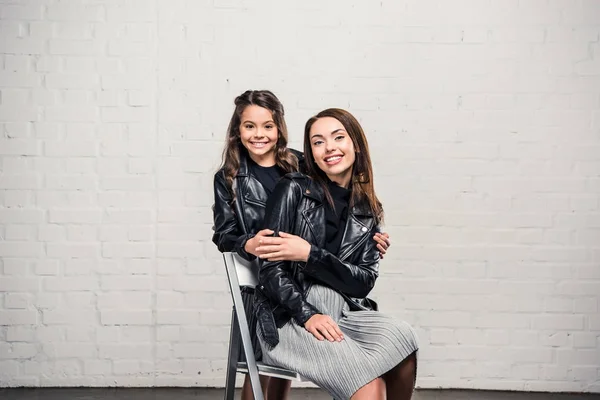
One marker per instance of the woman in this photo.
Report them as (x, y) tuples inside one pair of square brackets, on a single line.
[(255, 158), (313, 314)]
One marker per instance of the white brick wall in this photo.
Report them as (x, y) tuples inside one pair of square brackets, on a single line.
[(484, 123)]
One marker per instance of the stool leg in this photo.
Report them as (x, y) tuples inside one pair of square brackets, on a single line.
[(232, 358)]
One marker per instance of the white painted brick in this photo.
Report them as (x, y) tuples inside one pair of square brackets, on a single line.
[(117, 299), (125, 351), (80, 334), (127, 250), (167, 334), (70, 350), (47, 334), (555, 339), (20, 147), (198, 351), (51, 233), (115, 317), (19, 232), (558, 304), (8, 369), (17, 350), (20, 181), (585, 339), (127, 216), (578, 357), (526, 371), (579, 288), (79, 267), (17, 300), (70, 148), (587, 305), (16, 198), (21, 249), (17, 129), (584, 374), (70, 182), (140, 334), (47, 300), (17, 266), (178, 317), (127, 183), (20, 333), (66, 317), (56, 250), (97, 367), (18, 317), (127, 367), (82, 233), (75, 216)]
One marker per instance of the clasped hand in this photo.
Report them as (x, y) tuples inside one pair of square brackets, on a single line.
[(285, 247)]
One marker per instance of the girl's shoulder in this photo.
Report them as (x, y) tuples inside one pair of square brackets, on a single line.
[(297, 153)]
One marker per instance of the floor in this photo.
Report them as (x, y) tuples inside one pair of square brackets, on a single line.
[(297, 394)]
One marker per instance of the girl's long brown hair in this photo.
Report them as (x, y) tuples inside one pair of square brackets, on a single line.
[(361, 183), (233, 146)]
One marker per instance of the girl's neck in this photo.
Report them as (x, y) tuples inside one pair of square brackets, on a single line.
[(266, 160)]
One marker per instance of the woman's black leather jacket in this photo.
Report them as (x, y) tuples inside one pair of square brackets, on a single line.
[(297, 207)]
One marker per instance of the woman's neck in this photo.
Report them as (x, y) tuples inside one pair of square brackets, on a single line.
[(341, 180)]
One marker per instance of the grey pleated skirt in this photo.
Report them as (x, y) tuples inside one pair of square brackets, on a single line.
[(373, 344)]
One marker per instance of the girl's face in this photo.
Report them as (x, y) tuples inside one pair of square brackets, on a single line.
[(333, 150), (259, 134)]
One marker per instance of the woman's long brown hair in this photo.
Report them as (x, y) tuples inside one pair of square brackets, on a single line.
[(233, 147), (361, 183)]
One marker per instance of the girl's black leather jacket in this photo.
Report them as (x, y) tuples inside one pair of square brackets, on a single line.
[(237, 221)]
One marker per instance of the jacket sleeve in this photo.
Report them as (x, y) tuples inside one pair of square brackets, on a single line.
[(228, 235), (274, 278), (356, 278)]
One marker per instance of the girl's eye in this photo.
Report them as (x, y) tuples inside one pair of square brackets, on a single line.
[(248, 126), (318, 142), (269, 127), (339, 137)]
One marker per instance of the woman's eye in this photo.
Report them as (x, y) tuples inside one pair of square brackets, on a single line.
[(318, 142), (339, 137)]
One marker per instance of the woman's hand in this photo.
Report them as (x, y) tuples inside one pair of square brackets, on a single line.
[(286, 247), (383, 243), (252, 244), (323, 327)]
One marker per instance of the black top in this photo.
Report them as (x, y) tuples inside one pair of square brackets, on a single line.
[(335, 220), (268, 176)]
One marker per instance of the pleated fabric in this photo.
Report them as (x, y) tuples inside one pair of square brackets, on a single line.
[(373, 344)]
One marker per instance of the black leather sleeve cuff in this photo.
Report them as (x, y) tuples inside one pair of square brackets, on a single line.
[(240, 246)]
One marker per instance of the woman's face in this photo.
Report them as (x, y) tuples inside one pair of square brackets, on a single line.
[(332, 149), (259, 134)]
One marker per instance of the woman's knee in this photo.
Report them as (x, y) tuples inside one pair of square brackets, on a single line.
[(373, 390)]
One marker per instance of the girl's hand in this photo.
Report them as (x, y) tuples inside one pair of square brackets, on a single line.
[(286, 247), (252, 244), (383, 243), (323, 327)]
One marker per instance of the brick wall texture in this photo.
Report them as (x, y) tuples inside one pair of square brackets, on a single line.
[(483, 118)]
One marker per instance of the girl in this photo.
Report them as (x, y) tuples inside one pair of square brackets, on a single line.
[(255, 158), (313, 314)]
